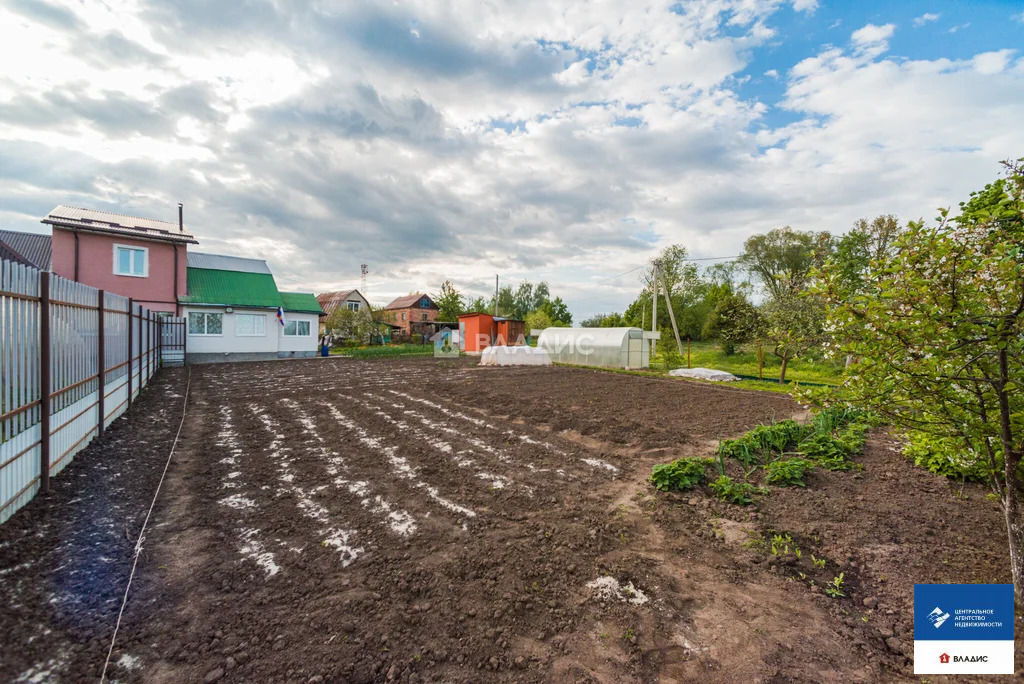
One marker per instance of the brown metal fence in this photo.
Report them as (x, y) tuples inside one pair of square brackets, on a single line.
[(72, 359)]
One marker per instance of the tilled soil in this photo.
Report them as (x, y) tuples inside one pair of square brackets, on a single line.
[(410, 520)]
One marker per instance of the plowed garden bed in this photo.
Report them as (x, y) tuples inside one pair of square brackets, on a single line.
[(410, 520)]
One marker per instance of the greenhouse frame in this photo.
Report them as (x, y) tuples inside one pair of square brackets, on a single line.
[(628, 348)]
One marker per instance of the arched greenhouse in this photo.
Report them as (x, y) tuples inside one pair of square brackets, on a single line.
[(606, 347)]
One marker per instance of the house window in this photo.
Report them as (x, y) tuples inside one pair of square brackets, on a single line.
[(296, 328), (250, 325), (205, 323), (423, 317), (353, 306), (424, 303), (403, 317), (131, 261)]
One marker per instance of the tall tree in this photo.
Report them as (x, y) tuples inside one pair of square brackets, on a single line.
[(866, 242), (557, 310), (449, 302), (783, 259), (938, 335)]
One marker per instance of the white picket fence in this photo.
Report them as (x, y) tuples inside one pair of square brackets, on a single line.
[(53, 333)]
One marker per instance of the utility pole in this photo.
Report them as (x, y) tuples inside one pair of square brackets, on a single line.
[(654, 308), (672, 317)]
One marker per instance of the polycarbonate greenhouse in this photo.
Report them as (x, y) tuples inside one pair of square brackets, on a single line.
[(607, 347)]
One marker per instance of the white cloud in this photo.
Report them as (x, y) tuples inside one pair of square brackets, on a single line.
[(540, 140), (926, 18), (959, 27), (805, 5), (992, 62)]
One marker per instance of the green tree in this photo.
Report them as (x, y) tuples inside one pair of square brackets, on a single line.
[(784, 259), (938, 337), (449, 302), (734, 321), (557, 310), (537, 320), (352, 326), (611, 320), (479, 305), (793, 323), (866, 242)]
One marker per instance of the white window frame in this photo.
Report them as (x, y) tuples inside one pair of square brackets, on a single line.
[(285, 332), (205, 314), (254, 316), (353, 306), (134, 248)]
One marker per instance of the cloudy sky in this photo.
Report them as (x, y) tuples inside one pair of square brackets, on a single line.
[(542, 140)]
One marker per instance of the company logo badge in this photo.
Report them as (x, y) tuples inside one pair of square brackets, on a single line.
[(963, 629), (938, 617)]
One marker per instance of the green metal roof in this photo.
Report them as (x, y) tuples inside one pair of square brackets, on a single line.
[(231, 288), (301, 302)]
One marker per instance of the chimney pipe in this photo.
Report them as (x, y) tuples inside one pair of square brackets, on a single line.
[(181, 220)]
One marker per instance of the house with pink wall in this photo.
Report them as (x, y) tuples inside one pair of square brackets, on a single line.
[(141, 258)]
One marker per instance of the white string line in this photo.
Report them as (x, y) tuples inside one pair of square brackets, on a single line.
[(142, 532)]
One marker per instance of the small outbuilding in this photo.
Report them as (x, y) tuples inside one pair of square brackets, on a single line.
[(477, 331), (606, 347)]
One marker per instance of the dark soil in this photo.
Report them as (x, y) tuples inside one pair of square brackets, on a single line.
[(405, 520)]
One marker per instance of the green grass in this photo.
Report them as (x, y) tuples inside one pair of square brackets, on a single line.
[(744, 362), (386, 351)]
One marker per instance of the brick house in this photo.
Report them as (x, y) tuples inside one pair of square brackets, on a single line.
[(127, 255), (404, 311)]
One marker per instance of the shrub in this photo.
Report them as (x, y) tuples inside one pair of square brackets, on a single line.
[(788, 471), (946, 456), (734, 492), (679, 475)]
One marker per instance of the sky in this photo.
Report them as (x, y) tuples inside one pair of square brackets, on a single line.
[(533, 139)]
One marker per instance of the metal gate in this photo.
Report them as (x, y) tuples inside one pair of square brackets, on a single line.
[(173, 337)]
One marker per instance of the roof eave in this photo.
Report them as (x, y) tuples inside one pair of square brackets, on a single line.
[(182, 238)]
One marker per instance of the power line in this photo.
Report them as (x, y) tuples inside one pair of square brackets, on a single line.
[(644, 265)]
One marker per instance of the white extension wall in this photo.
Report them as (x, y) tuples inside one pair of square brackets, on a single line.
[(289, 343)]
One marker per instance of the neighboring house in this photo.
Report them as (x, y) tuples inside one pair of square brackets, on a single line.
[(232, 309), (415, 307), (131, 256), (31, 249), (346, 299)]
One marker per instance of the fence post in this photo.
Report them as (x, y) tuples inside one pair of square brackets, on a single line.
[(101, 371), (687, 352), (131, 303), (760, 361), (44, 381), (149, 347)]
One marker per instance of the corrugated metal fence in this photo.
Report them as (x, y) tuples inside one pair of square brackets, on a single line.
[(55, 394)]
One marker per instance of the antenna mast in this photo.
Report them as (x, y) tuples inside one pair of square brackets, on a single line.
[(363, 269)]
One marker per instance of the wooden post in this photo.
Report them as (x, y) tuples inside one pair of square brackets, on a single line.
[(130, 323), (672, 315), (654, 310), (760, 361), (687, 352), (149, 347), (101, 371), (44, 381)]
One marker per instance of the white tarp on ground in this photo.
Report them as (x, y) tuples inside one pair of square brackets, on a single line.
[(514, 356), (703, 374)]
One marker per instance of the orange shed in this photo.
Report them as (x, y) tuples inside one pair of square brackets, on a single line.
[(476, 332)]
